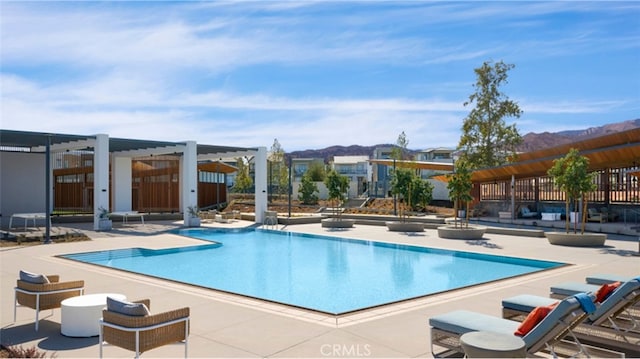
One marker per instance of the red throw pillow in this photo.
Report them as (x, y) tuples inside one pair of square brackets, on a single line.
[(535, 317), (605, 291)]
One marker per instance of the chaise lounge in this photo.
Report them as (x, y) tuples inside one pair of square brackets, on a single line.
[(602, 326), (446, 329), (562, 290)]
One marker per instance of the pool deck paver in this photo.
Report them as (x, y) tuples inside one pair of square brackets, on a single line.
[(230, 326)]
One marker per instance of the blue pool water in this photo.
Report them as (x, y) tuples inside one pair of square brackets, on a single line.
[(326, 274)]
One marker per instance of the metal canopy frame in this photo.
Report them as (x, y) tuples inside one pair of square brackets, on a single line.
[(47, 143)]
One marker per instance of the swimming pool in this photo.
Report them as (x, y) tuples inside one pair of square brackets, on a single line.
[(322, 273)]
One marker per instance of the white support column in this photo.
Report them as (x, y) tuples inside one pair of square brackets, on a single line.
[(100, 176), (189, 180), (261, 184), (121, 167)]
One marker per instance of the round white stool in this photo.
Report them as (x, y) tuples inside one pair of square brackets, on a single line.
[(492, 345), (80, 315)]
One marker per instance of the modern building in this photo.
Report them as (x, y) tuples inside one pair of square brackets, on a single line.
[(358, 170), (381, 173), (300, 166), (436, 155), (88, 172), (615, 158)]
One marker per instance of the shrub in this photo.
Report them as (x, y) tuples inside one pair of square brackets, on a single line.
[(20, 352)]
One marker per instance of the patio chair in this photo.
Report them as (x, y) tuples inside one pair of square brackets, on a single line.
[(562, 290), (602, 326), (594, 216), (446, 329), (606, 278), (610, 216), (131, 326), (42, 292), (525, 212)]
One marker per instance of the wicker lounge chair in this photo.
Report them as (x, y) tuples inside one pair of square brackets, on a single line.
[(547, 335), (40, 292), (142, 333), (604, 326)]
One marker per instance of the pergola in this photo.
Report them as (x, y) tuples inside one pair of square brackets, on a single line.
[(614, 150), (121, 151), (620, 149)]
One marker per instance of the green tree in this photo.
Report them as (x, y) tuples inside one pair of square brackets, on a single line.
[(401, 179), (459, 185), (243, 179), (337, 186), (571, 175), (412, 190), (317, 171), (278, 174), (400, 151), (308, 190), (486, 140), (421, 193)]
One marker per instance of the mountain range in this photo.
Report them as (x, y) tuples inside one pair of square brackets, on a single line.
[(530, 142)]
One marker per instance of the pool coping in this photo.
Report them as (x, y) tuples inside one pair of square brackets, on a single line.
[(226, 326), (326, 318)]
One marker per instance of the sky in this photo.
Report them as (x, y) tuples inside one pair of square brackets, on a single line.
[(311, 74)]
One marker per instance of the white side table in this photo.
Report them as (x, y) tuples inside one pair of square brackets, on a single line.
[(492, 345), (80, 315)]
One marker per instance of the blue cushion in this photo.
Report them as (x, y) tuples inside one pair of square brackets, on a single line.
[(606, 278), (573, 288), (464, 321), (33, 278), (126, 308), (526, 302)]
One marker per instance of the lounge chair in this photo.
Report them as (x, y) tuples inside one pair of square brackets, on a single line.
[(525, 212), (606, 278), (42, 292), (610, 216), (602, 326), (565, 289), (446, 329), (131, 326), (594, 216)]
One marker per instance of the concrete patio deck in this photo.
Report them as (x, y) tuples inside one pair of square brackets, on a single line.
[(226, 325)]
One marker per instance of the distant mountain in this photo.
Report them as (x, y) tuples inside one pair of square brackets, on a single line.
[(530, 142), (536, 141), (328, 153)]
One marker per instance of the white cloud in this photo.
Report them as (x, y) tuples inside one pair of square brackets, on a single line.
[(571, 107), (154, 70)]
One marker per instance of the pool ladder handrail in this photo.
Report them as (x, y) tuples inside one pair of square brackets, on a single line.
[(270, 220)]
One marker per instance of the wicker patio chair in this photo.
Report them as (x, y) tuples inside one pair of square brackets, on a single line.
[(143, 333), (43, 296)]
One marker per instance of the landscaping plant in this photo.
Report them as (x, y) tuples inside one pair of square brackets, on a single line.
[(571, 175)]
